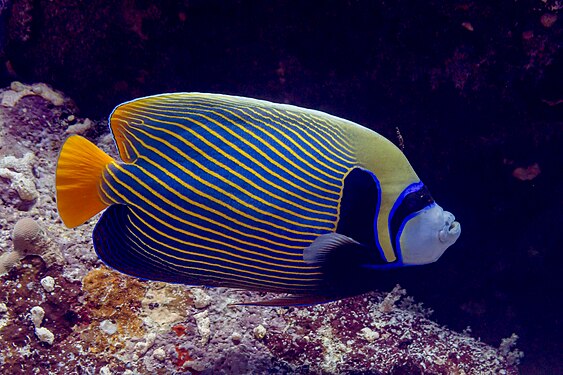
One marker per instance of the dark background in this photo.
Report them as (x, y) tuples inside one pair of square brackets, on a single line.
[(475, 88)]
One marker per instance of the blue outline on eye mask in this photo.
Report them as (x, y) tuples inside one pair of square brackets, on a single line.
[(408, 190)]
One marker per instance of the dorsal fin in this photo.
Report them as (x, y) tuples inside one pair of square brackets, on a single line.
[(120, 121)]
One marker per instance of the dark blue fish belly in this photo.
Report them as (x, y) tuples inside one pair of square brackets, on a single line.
[(221, 195)]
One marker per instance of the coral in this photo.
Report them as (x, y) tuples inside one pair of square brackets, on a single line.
[(388, 303), (203, 326), (112, 296), (80, 128), (508, 350), (25, 235), (159, 354), (164, 305), (43, 334), (19, 172), (29, 237), (368, 334), (108, 327), (326, 338), (8, 260), (18, 90), (200, 298), (528, 173), (24, 297)]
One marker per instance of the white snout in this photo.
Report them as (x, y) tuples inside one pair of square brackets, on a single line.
[(426, 236)]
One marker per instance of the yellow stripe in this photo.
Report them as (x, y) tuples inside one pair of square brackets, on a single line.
[(239, 102), (223, 204), (234, 147), (286, 137), (246, 129), (329, 126), (305, 129), (331, 129), (190, 244), (127, 154), (304, 126), (205, 207), (281, 155), (108, 201), (163, 262), (231, 158), (240, 176), (231, 196), (210, 172), (191, 213), (191, 234)]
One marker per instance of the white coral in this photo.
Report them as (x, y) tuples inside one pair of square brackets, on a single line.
[(18, 90), (18, 171)]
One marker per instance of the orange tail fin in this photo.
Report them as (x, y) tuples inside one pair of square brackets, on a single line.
[(78, 178)]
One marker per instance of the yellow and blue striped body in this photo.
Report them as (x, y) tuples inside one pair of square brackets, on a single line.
[(222, 192)]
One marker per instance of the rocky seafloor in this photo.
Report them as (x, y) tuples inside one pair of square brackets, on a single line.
[(63, 312)]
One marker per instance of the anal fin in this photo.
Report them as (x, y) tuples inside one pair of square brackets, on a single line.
[(118, 245), (288, 301)]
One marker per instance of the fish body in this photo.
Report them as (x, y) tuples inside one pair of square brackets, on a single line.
[(228, 191)]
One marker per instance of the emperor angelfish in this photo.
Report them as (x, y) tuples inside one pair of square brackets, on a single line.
[(221, 190)]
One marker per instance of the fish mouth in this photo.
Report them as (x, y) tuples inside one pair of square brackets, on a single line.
[(451, 230), (454, 227)]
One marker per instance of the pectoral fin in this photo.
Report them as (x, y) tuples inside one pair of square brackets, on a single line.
[(332, 246)]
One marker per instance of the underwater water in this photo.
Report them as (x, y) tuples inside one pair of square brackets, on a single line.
[(469, 91)]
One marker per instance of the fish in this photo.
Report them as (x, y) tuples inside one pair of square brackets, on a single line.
[(229, 191)]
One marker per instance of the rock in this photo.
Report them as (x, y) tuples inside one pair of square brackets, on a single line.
[(236, 337), (37, 315), (48, 283), (368, 334), (80, 128), (44, 335), (108, 326), (18, 90), (159, 354), (200, 297), (203, 326), (259, 332), (548, 19)]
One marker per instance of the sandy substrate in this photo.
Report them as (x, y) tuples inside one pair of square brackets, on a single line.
[(62, 312)]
